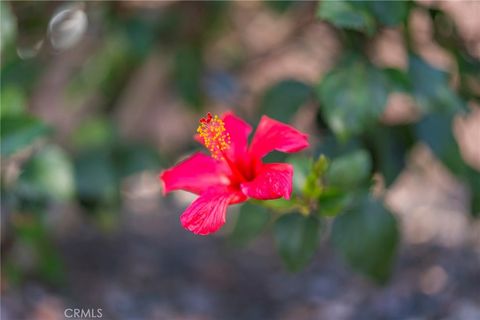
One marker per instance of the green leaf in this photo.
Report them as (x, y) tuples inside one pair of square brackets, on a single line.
[(331, 147), (389, 13), (313, 184), (8, 25), (474, 185), (32, 233), (278, 205), (95, 176), (188, 71), (430, 87), (48, 174), (283, 100), (347, 14), (367, 237), (275, 156), (333, 201), (435, 131), (95, 132), (140, 33), (19, 72), (13, 101), (252, 220), (398, 79), (133, 158), (280, 5), (18, 132), (297, 238), (446, 34), (390, 147), (350, 170), (13, 274), (353, 96), (301, 169)]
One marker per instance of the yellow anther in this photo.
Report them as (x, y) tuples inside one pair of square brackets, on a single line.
[(214, 135)]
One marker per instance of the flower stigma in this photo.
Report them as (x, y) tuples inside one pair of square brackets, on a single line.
[(215, 138)]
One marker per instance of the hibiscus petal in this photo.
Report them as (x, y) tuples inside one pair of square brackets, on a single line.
[(274, 135), (207, 213), (272, 181), (195, 174), (239, 131)]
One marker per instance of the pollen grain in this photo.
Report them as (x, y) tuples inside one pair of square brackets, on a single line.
[(214, 135)]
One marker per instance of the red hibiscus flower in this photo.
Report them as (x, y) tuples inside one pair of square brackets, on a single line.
[(235, 171)]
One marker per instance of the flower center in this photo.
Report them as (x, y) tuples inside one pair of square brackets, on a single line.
[(214, 135)]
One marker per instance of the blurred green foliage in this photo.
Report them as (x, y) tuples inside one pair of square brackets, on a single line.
[(350, 170), (297, 238), (367, 236), (283, 100), (18, 132), (430, 87), (353, 96), (48, 176), (251, 221), (332, 199)]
